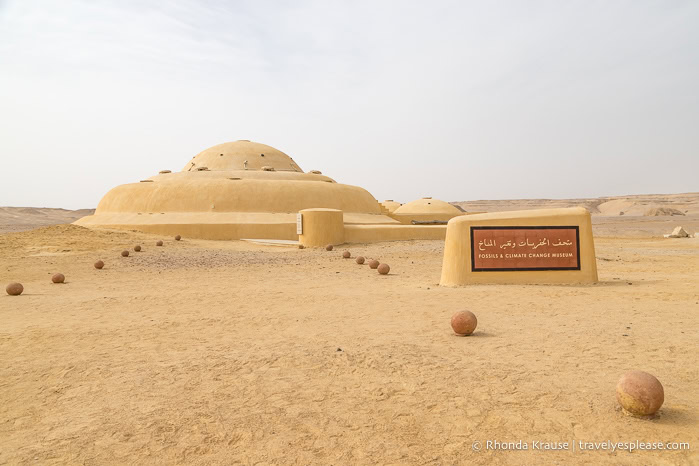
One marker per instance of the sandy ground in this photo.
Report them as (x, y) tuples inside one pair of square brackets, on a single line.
[(206, 352)]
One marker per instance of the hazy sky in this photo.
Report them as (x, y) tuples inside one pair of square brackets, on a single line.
[(456, 100)]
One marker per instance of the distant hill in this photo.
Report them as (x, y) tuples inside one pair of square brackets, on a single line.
[(27, 218), (632, 205)]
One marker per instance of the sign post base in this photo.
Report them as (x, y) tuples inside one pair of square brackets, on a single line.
[(528, 246)]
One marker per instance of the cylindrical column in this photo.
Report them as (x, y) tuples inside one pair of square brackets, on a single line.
[(320, 227)]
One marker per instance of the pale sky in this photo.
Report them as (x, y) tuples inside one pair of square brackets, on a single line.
[(456, 100)]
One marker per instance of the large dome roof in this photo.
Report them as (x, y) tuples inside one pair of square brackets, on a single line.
[(233, 190), (242, 155)]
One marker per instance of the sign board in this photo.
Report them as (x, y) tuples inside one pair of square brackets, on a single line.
[(524, 248), (299, 224)]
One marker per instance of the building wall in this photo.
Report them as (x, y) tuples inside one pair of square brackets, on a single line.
[(456, 266)]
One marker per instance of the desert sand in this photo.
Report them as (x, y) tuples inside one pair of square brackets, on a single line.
[(206, 352)]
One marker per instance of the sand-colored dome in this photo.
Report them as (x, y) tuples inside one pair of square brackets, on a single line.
[(391, 205), (427, 205), (240, 155), (219, 196), (426, 210)]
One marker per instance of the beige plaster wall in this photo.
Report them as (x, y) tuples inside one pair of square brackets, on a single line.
[(242, 174), (218, 225), (456, 265), (377, 233), (322, 227), (215, 231), (407, 219), (204, 194)]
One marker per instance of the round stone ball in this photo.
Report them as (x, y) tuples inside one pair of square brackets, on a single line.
[(178, 237), (124, 253), (329, 247), (640, 393), (58, 278), (346, 255), (384, 269), (464, 322), (14, 289), (137, 248), (301, 246), (373, 264), (360, 260), (99, 264), (159, 243)]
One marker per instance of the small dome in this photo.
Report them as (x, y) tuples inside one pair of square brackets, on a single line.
[(391, 205), (427, 211), (242, 155), (427, 205)]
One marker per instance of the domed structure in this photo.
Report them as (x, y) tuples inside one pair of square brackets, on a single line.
[(391, 205), (242, 155), (233, 190), (426, 210)]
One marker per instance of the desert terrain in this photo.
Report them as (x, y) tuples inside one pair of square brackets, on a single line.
[(26, 218), (206, 352)]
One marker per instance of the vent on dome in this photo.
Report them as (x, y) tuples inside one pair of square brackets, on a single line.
[(146, 181), (267, 168), (203, 169), (162, 172), (316, 172)]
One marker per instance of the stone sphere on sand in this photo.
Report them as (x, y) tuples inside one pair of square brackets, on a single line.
[(301, 246), (14, 289), (640, 393), (178, 237), (99, 264), (384, 269), (58, 278), (464, 322), (373, 264), (159, 243), (346, 254), (329, 247), (137, 248), (124, 253), (360, 260)]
